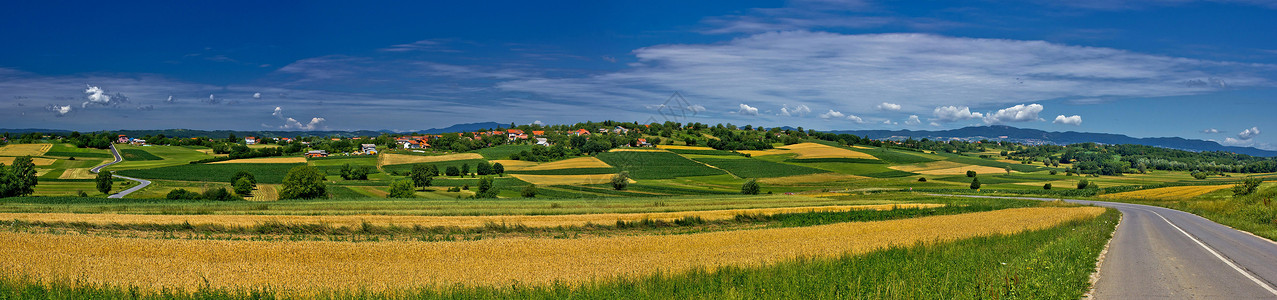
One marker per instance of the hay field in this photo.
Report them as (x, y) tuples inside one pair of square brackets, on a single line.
[(545, 180), (1168, 193), (399, 159), (963, 170), (811, 150), (809, 178), (313, 266), (39, 161), (514, 165), (77, 173), (681, 147), (935, 165), (265, 160), (264, 192), (571, 163), (25, 149), (433, 221)]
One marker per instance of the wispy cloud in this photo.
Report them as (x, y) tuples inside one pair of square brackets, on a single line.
[(420, 46)]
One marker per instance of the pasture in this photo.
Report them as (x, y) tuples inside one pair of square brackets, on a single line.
[(265, 173)]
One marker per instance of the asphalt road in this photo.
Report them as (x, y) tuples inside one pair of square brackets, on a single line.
[(1169, 254), (142, 182)]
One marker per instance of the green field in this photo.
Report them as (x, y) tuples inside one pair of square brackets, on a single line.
[(170, 156), (656, 165), (265, 173), (503, 151), (755, 168), (138, 154)]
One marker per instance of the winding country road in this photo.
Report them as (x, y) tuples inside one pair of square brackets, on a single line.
[(142, 182), (1169, 254)]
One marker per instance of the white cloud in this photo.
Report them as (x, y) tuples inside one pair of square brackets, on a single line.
[(837, 70), (1210, 130), (913, 120), (290, 123), (170, 99), (747, 110), (855, 119), (59, 110), (279, 112), (1018, 113), (888, 122), (537, 122), (935, 124), (888, 106), (954, 113), (832, 114), (696, 108), (1072, 120), (257, 95), (1249, 133), (796, 111), (96, 95)]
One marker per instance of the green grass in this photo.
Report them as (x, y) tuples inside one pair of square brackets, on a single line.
[(704, 152), (755, 168), (992, 163), (172, 156), (67, 150), (265, 173), (656, 165), (503, 151), (138, 154), (576, 171), (443, 165), (332, 165), (835, 160)]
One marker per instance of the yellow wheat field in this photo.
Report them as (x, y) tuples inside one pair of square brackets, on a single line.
[(77, 173), (397, 159), (514, 165), (566, 179), (935, 165), (681, 147), (573, 163), (310, 266), (812, 150), (963, 170), (39, 161), (432, 221), (636, 150), (1167, 193), (25, 149), (265, 192), (265, 160), (809, 178)]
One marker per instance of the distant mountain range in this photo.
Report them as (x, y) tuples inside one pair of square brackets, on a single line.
[(187, 133), (1034, 136)]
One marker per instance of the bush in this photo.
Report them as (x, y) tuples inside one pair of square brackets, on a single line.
[(486, 188), (529, 191), (182, 194), (243, 187), (402, 188), (1046, 186), (303, 182), (1082, 184), (1199, 175), (83, 194), (1053, 172), (1247, 187), (922, 179), (970, 173), (975, 183), (244, 174), (621, 180), (219, 194), (452, 171), (750, 187)]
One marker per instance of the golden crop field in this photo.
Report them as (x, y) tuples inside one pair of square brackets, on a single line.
[(25, 149), (397, 159), (963, 170), (566, 179), (809, 178), (682, 147), (1167, 193), (305, 267), (935, 165), (265, 160), (636, 150), (265, 192), (514, 165), (77, 173), (39, 161), (812, 150), (572, 163), (433, 221)]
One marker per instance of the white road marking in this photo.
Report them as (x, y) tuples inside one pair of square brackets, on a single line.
[(1230, 263)]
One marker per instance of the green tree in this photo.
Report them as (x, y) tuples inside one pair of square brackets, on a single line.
[(245, 175), (529, 191), (303, 182), (1082, 184), (421, 175), (970, 173), (486, 188), (402, 189), (750, 187), (975, 183), (104, 182), (219, 194), (243, 187), (498, 168), (452, 171), (465, 169), (24, 176), (1247, 187), (621, 180), (1008, 169), (483, 168), (346, 172), (1046, 186)]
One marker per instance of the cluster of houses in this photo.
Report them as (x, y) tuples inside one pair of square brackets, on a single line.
[(423, 141), (123, 139), (252, 140)]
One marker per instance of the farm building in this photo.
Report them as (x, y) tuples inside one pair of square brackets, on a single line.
[(368, 148), (317, 153), (123, 139), (250, 140), (543, 142)]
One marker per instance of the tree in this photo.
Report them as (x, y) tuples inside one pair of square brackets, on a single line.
[(246, 175), (483, 168), (24, 176), (361, 173), (219, 194), (1046, 186), (975, 183), (182, 194), (1053, 172), (1008, 169), (402, 189), (970, 173), (922, 179), (465, 169), (303, 182), (1247, 187), (104, 182), (750, 187), (529, 191), (421, 176), (486, 188), (243, 187), (498, 168), (621, 180), (1082, 184), (1199, 175), (452, 171), (346, 172)]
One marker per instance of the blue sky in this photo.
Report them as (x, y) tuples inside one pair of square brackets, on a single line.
[(1147, 68)]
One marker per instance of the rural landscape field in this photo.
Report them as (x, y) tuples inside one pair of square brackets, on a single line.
[(766, 149)]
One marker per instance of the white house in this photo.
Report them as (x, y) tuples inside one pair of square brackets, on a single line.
[(543, 142), (368, 148)]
